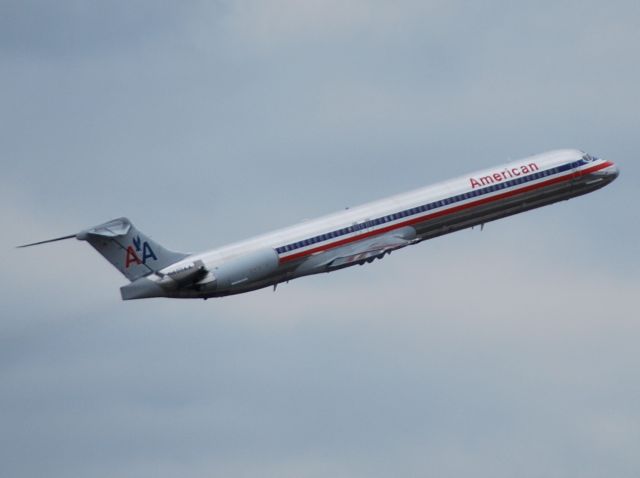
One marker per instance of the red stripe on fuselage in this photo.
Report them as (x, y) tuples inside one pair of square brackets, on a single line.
[(446, 212)]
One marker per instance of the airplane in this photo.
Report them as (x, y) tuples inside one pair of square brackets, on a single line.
[(357, 235)]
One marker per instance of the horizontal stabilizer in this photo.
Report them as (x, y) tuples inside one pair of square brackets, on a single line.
[(114, 228), (134, 254), (71, 236)]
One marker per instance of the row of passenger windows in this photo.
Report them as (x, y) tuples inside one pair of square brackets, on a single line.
[(426, 207)]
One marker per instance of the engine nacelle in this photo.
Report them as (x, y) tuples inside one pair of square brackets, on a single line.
[(242, 270)]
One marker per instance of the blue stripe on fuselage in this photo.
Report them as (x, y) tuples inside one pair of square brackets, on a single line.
[(429, 207)]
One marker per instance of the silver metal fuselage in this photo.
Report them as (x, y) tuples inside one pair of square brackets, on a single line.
[(360, 234)]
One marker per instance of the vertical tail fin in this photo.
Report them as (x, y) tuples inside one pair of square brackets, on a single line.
[(127, 249)]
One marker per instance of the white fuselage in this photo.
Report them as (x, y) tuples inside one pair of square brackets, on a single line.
[(365, 232)]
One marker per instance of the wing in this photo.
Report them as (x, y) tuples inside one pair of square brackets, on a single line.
[(371, 249), (360, 252)]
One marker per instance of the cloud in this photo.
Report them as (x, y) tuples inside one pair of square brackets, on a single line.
[(409, 362), (69, 29), (286, 23), (499, 353)]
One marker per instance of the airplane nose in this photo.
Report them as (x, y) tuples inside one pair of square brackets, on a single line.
[(612, 171)]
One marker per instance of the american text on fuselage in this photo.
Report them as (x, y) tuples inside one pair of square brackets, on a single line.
[(507, 173)]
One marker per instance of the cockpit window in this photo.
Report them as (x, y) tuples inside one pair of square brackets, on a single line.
[(589, 158)]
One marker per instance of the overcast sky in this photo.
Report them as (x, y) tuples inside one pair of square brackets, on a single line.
[(508, 352)]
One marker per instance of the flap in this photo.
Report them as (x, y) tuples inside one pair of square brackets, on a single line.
[(376, 247)]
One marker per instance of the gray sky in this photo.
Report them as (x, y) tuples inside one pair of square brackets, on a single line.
[(511, 352)]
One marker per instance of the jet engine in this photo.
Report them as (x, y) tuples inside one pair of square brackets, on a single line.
[(238, 272)]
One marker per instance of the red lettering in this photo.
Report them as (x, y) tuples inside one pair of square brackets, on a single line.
[(132, 257), (485, 180), (504, 175)]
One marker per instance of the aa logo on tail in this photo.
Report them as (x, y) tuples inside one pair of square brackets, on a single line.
[(133, 255)]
